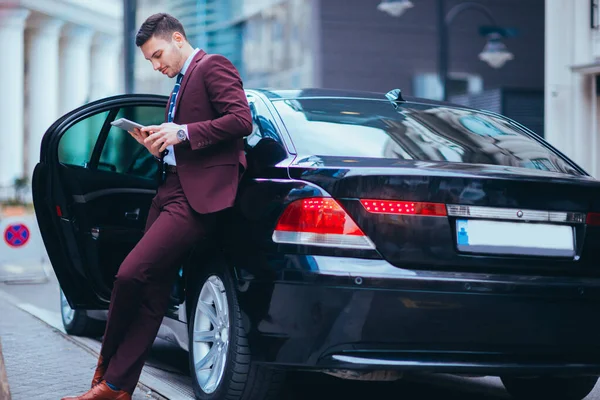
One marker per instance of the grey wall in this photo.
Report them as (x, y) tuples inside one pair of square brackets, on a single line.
[(366, 49)]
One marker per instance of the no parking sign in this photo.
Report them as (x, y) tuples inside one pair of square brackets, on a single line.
[(16, 235), (22, 253)]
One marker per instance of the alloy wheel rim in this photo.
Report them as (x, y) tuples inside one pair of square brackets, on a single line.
[(68, 314), (211, 334)]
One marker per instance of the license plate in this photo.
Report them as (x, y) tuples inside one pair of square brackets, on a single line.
[(515, 238)]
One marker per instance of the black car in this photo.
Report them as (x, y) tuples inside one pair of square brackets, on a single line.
[(373, 236)]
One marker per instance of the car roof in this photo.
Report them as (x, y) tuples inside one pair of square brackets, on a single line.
[(289, 94)]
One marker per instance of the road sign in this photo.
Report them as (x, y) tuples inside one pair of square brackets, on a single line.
[(23, 257), (16, 235)]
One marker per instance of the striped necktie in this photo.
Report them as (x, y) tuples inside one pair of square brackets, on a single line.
[(174, 98)]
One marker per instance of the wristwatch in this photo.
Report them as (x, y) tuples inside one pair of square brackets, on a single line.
[(181, 136)]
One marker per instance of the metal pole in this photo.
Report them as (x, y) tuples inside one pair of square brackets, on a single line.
[(443, 49), (457, 9), (129, 31), (444, 22)]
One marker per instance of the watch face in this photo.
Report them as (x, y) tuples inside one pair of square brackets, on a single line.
[(181, 134)]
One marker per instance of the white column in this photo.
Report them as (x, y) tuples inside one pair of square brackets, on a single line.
[(580, 128), (581, 103), (75, 56), (558, 60), (105, 77), (42, 83), (12, 24)]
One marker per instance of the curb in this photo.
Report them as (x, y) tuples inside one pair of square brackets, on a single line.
[(4, 389)]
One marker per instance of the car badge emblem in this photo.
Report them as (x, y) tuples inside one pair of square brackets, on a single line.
[(519, 213)]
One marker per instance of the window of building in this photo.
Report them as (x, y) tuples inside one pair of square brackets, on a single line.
[(428, 86)]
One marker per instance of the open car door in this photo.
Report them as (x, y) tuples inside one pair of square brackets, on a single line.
[(92, 190)]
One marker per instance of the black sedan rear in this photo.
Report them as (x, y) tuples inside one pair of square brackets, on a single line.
[(372, 237)]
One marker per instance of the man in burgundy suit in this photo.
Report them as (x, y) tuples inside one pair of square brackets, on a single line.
[(201, 148)]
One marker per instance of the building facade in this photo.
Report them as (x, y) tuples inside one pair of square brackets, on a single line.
[(572, 86), (60, 54), (273, 43), (366, 49), (64, 53), (350, 44)]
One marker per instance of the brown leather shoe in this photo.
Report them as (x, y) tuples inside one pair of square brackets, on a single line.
[(101, 392), (99, 373)]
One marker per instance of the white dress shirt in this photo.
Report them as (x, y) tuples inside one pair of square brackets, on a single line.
[(170, 157)]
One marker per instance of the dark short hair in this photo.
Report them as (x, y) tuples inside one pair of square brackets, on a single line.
[(160, 25)]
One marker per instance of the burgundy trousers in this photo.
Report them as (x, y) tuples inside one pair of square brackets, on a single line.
[(141, 292)]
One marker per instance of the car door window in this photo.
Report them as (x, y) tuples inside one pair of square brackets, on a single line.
[(121, 153), (262, 123), (264, 146), (77, 143)]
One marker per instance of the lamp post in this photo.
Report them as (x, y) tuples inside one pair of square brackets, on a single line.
[(129, 31), (494, 53)]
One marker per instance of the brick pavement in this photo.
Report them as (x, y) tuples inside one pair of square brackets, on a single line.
[(41, 363)]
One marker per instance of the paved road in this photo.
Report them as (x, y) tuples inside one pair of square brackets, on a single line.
[(41, 363), (43, 299)]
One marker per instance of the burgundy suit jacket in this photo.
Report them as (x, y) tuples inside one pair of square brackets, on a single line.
[(212, 102)]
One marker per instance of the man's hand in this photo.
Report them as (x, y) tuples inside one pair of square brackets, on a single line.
[(140, 136), (161, 136)]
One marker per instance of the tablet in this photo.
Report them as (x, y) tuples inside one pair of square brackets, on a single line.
[(126, 124)]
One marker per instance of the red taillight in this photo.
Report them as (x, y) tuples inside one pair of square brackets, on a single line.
[(404, 207), (593, 219), (321, 222), (58, 211)]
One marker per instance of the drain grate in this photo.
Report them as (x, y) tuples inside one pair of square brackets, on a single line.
[(168, 384)]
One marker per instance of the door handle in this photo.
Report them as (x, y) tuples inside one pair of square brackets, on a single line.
[(133, 215)]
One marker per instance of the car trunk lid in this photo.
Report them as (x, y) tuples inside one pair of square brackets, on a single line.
[(494, 217)]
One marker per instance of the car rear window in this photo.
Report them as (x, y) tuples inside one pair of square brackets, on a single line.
[(376, 129)]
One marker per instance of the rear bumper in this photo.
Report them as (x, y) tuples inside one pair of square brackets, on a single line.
[(323, 317)]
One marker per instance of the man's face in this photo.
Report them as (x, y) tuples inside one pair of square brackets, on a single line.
[(165, 55)]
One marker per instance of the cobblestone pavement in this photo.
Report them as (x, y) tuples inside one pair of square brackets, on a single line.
[(41, 363)]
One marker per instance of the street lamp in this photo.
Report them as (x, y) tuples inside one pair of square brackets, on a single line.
[(395, 8), (495, 53)]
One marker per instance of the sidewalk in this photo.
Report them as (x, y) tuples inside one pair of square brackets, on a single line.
[(42, 363)]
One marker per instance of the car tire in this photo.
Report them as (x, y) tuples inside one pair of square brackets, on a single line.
[(77, 322), (550, 388), (231, 375)]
